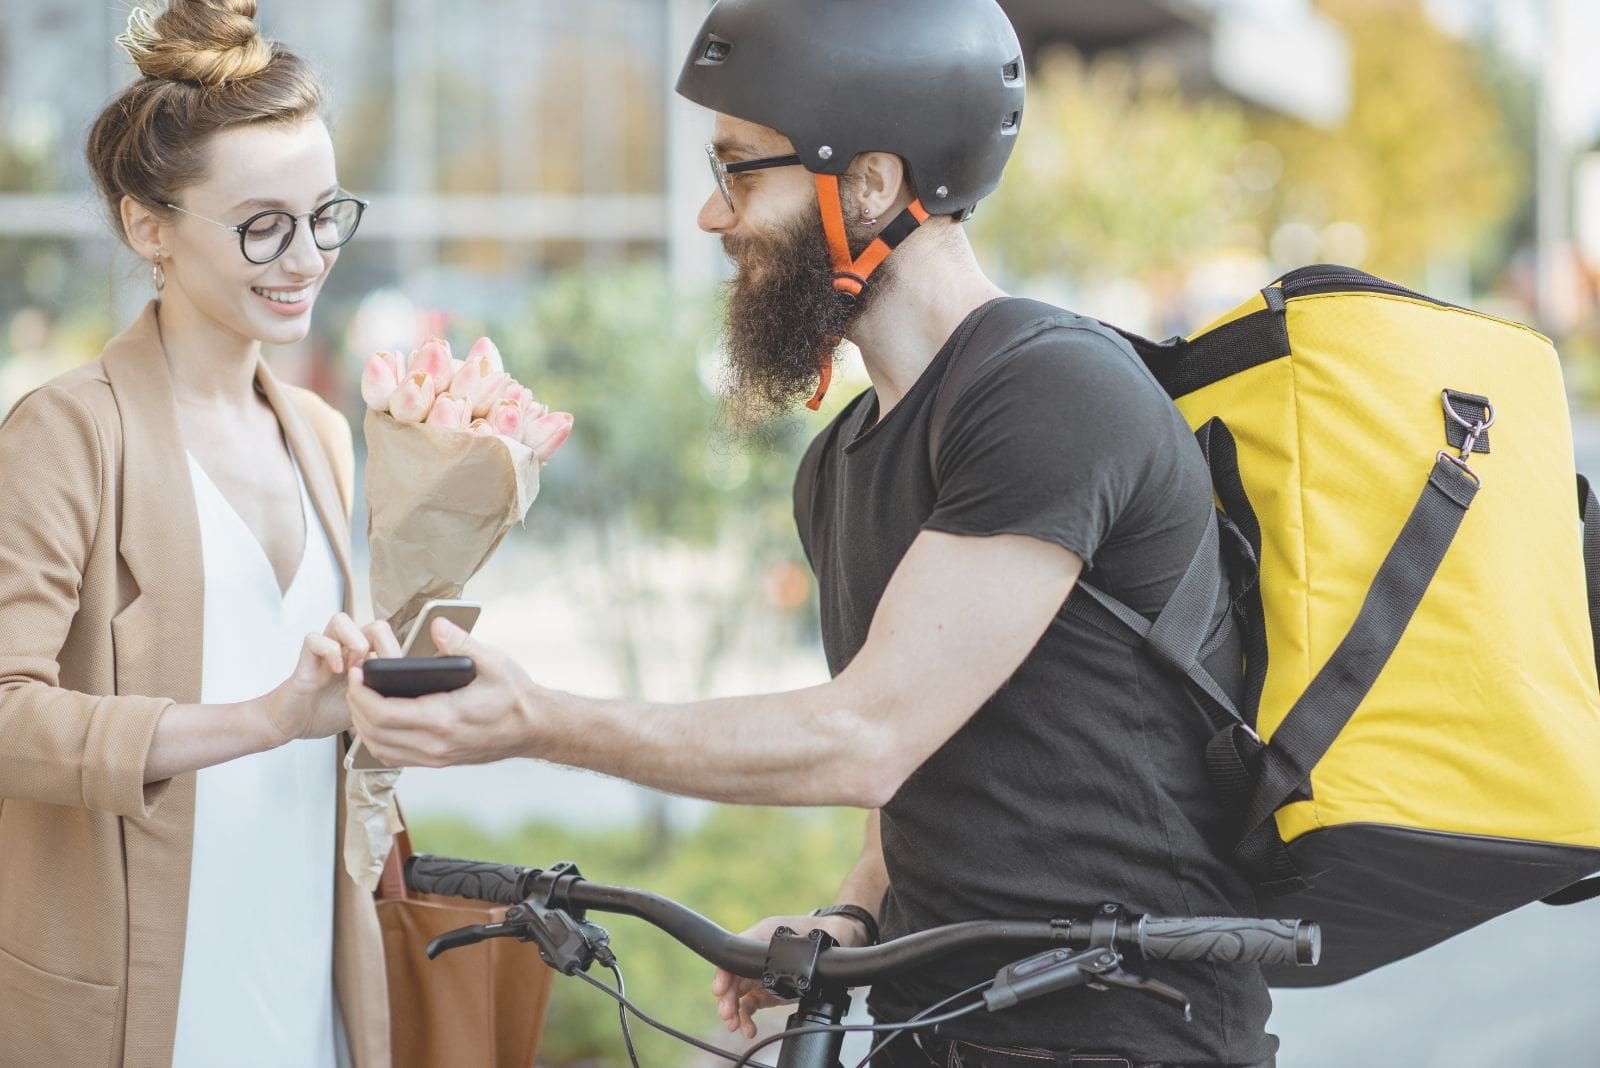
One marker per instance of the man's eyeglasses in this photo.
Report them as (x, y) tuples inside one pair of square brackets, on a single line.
[(266, 235), (721, 170)]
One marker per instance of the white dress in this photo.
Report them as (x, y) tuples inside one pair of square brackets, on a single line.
[(257, 986)]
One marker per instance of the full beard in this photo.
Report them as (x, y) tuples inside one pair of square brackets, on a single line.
[(784, 319)]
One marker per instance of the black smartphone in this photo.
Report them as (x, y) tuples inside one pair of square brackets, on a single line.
[(408, 676), (414, 676)]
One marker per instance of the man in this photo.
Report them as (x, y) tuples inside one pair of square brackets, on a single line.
[(1017, 762)]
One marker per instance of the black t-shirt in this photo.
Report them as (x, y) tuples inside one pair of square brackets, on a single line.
[(1082, 780)]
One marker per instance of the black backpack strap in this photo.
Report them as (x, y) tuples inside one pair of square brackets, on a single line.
[(1322, 711), (1242, 533), (1589, 515), (1589, 512), (1179, 634)]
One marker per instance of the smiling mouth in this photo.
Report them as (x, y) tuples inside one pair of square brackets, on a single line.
[(283, 296)]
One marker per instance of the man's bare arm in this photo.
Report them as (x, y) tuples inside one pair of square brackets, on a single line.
[(958, 617)]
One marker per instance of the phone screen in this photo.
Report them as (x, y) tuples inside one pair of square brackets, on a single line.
[(419, 639)]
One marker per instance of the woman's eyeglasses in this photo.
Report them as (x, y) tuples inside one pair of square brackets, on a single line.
[(266, 235)]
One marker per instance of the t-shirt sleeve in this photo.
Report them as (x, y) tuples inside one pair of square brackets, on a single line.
[(1053, 440)]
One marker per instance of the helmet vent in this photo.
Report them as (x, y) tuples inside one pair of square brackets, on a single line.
[(1011, 73), (714, 50), (1009, 123)]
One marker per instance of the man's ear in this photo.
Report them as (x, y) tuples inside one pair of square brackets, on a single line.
[(882, 190), (145, 230)]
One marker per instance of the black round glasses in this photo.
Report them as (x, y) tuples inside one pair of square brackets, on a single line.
[(266, 235)]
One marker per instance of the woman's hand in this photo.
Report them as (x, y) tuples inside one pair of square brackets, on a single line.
[(310, 703), (738, 998)]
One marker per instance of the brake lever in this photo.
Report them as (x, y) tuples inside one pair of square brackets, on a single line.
[(1111, 973), (466, 936)]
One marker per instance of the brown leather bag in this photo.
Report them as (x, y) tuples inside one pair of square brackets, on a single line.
[(479, 1006)]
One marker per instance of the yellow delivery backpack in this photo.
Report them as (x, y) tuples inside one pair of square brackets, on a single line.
[(1418, 748)]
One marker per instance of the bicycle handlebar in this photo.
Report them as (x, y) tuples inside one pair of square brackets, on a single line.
[(1223, 939)]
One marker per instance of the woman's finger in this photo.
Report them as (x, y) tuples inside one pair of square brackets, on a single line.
[(325, 652), (381, 639), (353, 642)]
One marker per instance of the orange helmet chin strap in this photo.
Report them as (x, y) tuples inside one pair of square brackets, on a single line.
[(850, 274)]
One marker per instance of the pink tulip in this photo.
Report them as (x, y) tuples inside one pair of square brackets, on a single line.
[(380, 377), (434, 360), (484, 347), (532, 409), (515, 392), (547, 434), (479, 383), (482, 428), (412, 398), (450, 411), (506, 418)]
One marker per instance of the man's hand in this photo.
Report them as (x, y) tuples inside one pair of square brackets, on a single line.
[(310, 702), (473, 725), (738, 998)]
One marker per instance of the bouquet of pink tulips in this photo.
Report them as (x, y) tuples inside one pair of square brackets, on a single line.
[(453, 455), (454, 449)]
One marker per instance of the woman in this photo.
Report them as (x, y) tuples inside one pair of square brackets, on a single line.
[(178, 522)]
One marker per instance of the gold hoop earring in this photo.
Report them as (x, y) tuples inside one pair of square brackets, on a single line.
[(158, 274)]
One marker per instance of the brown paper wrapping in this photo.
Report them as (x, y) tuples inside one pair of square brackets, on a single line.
[(371, 820), (439, 502)]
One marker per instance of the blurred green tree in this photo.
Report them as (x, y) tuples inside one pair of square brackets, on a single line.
[(1426, 163), (1122, 174), (671, 523), (1117, 174)]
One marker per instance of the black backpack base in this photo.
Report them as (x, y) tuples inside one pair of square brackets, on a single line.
[(1384, 893)]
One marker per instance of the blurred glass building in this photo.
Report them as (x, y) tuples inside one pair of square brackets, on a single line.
[(497, 139)]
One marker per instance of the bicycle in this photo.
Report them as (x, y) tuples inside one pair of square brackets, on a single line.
[(549, 908)]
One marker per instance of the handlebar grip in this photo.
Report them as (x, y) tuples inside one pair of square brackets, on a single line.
[(1230, 939), (503, 884)]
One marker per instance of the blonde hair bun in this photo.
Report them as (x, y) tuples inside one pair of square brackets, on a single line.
[(207, 42)]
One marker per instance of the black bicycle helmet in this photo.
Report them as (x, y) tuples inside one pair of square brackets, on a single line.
[(938, 83)]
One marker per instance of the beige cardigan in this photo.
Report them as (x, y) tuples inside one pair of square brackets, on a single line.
[(100, 630)]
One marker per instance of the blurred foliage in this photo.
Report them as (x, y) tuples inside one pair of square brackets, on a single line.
[(1117, 173), (1122, 174), (636, 356), (1514, 92), (671, 522), (737, 866), (1425, 163), (24, 170)]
